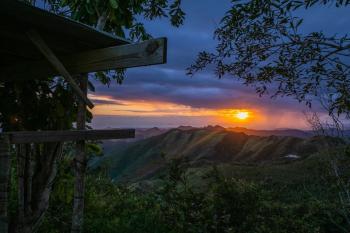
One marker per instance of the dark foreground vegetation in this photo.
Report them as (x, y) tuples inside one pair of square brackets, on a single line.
[(310, 196)]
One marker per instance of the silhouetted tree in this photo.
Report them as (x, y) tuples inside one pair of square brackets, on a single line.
[(260, 43)]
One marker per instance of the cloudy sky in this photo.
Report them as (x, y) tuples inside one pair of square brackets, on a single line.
[(164, 96)]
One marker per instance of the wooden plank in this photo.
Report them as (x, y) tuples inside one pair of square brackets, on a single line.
[(24, 16), (4, 181), (55, 62), (73, 135), (150, 52)]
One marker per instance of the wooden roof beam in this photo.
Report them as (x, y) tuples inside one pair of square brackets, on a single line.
[(55, 62), (146, 53), (23, 137)]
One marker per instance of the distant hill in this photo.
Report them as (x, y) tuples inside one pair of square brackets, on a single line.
[(278, 132), (182, 127), (289, 132), (112, 147), (204, 146), (149, 132), (140, 134)]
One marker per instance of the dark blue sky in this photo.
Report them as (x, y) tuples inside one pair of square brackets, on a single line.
[(180, 99)]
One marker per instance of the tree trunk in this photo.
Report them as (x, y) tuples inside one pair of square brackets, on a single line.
[(4, 181), (101, 21), (36, 168), (80, 165)]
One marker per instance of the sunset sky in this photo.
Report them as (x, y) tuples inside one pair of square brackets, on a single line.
[(164, 96)]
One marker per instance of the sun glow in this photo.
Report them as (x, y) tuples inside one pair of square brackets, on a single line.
[(110, 106), (242, 115), (162, 112), (238, 115)]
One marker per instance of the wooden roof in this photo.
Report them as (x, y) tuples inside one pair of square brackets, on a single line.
[(63, 35)]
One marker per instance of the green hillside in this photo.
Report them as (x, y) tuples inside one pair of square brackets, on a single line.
[(201, 148), (212, 180)]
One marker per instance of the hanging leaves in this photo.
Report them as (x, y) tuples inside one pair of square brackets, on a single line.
[(121, 18), (114, 4), (259, 43)]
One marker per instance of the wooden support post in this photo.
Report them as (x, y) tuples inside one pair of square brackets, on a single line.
[(21, 184), (80, 165), (55, 62), (4, 181)]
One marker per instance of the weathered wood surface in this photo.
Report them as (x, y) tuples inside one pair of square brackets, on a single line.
[(80, 165), (4, 181), (55, 62), (150, 52), (73, 135), (64, 36), (23, 183)]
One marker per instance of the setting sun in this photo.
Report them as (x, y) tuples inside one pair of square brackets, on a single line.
[(238, 116), (242, 115)]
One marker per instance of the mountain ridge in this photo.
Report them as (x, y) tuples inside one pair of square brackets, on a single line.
[(207, 146)]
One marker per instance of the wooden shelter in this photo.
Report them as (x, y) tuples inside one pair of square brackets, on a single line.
[(36, 44)]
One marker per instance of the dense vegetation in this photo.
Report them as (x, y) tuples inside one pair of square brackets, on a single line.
[(265, 202)]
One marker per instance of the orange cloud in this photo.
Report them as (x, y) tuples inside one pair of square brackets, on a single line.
[(113, 107), (257, 117)]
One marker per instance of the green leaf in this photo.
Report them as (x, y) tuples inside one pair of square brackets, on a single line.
[(114, 4)]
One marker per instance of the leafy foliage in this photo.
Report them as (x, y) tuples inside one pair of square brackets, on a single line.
[(260, 43), (174, 205), (51, 101), (115, 16)]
